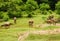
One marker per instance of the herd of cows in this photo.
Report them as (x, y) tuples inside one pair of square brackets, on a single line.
[(50, 20)]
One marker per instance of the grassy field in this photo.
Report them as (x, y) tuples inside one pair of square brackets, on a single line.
[(12, 33), (35, 37)]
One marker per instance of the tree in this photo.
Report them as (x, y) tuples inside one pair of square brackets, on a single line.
[(31, 5), (58, 7), (44, 7)]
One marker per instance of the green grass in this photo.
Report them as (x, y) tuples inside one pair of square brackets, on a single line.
[(50, 27), (11, 34), (35, 37)]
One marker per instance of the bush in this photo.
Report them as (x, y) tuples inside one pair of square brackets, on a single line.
[(1, 15), (10, 14), (31, 5), (19, 14), (50, 11), (44, 7), (5, 17), (58, 7), (29, 15), (44, 12), (14, 14)]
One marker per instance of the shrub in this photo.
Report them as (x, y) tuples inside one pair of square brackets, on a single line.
[(44, 12), (1, 15), (10, 14), (6, 18), (44, 7), (29, 15), (58, 7), (19, 14), (14, 14)]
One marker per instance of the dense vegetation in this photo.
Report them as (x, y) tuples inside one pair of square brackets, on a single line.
[(35, 37), (19, 8)]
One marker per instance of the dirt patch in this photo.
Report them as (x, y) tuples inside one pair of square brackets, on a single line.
[(22, 37)]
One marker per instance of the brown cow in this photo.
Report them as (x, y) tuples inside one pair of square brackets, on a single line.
[(31, 23), (52, 21), (6, 24)]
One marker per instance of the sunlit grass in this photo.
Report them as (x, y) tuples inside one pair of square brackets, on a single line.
[(35, 37), (11, 34)]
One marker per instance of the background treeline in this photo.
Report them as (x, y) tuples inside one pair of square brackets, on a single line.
[(19, 8)]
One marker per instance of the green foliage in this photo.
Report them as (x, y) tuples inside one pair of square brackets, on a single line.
[(18, 7), (31, 5), (29, 15), (12, 14), (50, 11), (44, 7), (19, 14), (58, 7), (5, 17), (1, 16), (44, 12), (36, 12)]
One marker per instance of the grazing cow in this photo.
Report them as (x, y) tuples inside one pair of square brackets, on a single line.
[(52, 21), (31, 23), (6, 24), (15, 20), (48, 21)]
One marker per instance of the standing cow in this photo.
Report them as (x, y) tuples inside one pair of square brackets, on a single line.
[(15, 20), (31, 23)]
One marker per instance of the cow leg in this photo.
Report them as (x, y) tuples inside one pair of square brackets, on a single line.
[(54, 22)]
